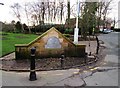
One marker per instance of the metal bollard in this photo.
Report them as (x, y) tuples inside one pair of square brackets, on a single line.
[(32, 65), (98, 44), (62, 60)]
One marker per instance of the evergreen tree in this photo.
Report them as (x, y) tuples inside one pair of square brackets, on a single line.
[(18, 26)]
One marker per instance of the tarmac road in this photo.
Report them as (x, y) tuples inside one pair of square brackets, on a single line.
[(107, 73)]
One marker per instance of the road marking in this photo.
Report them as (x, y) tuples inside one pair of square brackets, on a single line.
[(75, 72), (94, 68), (44, 73), (85, 71), (59, 74)]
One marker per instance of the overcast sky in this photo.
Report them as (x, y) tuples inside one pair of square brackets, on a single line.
[(6, 13)]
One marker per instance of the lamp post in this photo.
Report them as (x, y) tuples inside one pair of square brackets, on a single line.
[(1, 3), (76, 30), (32, 65)]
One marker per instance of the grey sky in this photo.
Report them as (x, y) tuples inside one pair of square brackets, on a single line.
[(7, 15)]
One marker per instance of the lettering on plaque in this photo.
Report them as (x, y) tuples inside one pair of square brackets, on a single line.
[(52, 43)]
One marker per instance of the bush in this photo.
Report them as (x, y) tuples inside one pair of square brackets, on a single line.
[(45, 27), (7, 28), (117, 29), (68, 31), (66, 35), (18, 27)]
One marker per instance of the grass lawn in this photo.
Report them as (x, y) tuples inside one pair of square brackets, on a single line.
[(8, 41)]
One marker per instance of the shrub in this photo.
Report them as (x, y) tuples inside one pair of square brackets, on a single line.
[(7, 28), (45, 27), (18, 26), (66, 35), (68, 31)]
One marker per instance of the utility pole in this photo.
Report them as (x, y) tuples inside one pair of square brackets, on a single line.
[(76, 30)]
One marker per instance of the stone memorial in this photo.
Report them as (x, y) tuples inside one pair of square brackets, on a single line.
[(52, 43)]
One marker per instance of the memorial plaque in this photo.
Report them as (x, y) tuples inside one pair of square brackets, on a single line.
[(52, 43)]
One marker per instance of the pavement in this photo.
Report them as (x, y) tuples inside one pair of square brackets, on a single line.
[(107, 73), (44, 78)]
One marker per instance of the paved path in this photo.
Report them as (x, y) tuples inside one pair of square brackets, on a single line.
[(44, 78), (92, 48), (9, 56)]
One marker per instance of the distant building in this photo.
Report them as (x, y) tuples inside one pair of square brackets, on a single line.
[(72, 23)]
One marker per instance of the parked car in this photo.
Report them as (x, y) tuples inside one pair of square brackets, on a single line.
[(106, 31)]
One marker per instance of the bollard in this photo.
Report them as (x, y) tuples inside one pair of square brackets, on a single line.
[(97, 45), (62, 60), (32, 65)]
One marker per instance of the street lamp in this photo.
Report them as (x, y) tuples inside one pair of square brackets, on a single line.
[(1, 3)]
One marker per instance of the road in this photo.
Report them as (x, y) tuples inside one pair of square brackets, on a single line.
[(104, 75), (107, 73)]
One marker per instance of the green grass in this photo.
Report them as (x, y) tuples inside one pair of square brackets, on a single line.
[(8, 41)]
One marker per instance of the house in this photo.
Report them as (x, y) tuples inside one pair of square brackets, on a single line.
[(72, 23)]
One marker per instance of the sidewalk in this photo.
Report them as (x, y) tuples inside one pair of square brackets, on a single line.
[(44, 78), (92, 48)]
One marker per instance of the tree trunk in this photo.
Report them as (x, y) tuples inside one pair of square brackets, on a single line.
[(68, 8)]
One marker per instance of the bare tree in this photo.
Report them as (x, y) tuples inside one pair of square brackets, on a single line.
[(26, 12), (61, 11), (34, 19), (103, 8), (35, 11), (16, 9), (43, 10), (48, 4)]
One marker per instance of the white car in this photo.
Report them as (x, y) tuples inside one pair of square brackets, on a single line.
[(106, 31)]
